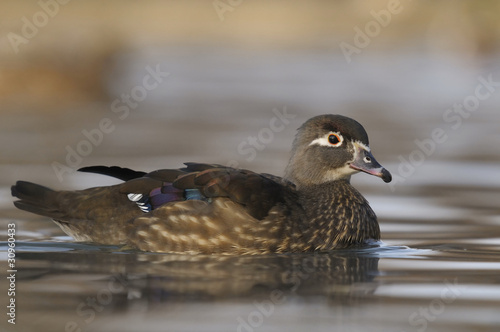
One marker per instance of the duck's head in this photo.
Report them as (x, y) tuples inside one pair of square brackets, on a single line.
[(331, 147)]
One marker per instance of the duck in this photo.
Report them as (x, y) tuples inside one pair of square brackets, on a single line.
[(214, 209)]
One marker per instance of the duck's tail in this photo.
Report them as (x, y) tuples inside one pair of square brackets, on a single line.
[(36, 199)]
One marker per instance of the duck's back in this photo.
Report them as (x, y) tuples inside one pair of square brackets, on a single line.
[(200, 209)]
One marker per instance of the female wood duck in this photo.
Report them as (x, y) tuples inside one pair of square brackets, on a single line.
[(209, 209)]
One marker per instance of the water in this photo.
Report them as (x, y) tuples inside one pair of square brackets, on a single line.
[(383, 288), (436, 269)]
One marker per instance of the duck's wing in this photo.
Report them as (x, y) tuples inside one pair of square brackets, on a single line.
[(257, 193), (233, 211)]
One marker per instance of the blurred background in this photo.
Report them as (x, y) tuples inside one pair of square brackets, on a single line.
[(153, 84), (395, 66)]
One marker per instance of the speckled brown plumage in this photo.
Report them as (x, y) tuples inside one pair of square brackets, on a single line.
[(204, 208)]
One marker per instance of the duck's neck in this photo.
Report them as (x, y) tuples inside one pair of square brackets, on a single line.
[(338, 216)]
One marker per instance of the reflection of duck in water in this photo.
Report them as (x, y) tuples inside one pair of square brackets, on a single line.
[(343, 274), (215, 209), (141, 279)]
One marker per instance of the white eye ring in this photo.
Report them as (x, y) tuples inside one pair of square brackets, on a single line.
[(332, 140), (367, 159), (335, 139)]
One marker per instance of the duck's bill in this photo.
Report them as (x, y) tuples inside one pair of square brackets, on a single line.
[(365, 162)]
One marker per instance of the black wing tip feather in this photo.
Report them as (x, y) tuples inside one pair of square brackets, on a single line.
[(121, 173), (198, 167)]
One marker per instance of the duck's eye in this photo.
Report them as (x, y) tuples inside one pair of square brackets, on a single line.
[(334, 139)]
